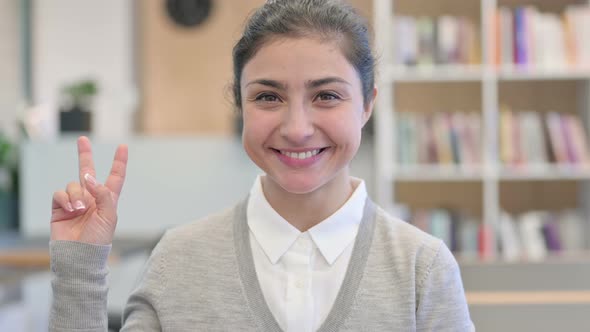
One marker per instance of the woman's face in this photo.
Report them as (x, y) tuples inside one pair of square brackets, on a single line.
[(303, 112)]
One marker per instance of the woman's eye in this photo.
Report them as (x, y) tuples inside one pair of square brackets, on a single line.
[(266, 97), (326, 96)]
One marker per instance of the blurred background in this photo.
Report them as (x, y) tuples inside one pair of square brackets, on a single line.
[(480, 137)]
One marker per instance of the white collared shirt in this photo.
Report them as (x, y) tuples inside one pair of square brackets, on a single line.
[(300, 274)]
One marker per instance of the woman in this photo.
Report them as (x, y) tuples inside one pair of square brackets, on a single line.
[(307, 250)]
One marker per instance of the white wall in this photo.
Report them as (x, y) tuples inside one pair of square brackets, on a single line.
[(10, 64), (170, 181), (74, 39)]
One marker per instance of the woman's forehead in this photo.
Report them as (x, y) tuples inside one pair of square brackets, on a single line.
[(301, 60)]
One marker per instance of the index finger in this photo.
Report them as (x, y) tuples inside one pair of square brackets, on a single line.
[(85, 162)]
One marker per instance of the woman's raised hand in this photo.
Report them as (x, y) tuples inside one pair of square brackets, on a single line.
[(87, 210)]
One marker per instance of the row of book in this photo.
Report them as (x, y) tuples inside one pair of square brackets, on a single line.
[(524, 140), (446, 138), (441, 40), (535, 235), (458, 231), (529, 236), (527, 37)]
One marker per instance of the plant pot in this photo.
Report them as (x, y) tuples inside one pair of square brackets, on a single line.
[(75, 119), (8, 211)]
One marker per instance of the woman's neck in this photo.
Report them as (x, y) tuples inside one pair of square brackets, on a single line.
[(304, 211)]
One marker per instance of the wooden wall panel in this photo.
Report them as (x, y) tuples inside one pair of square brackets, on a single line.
[(469, 8), (466, 197), (185, 74), (438, 97), (519, 197)]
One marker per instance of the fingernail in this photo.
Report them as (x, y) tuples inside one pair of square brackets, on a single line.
[(69, 207), (90, 179), (79, 205)]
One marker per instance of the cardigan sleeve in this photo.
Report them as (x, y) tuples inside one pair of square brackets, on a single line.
[(441, 298), (80, 290), (79, 286), (141, 311)]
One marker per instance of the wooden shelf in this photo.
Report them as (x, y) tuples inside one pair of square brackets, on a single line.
[(421, 173), (564, 257), (546, 172), (523, 298), (434, 73), (537, 74), (484, 88), (467, 73)]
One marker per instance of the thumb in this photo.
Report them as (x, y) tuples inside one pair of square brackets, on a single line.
[(105, 202)]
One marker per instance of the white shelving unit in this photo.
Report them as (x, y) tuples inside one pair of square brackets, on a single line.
[(491, 174)]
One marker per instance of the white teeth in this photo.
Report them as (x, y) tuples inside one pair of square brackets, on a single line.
[(301, 155)]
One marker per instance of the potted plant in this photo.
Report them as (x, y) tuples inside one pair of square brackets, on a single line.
[(75, 111), (8, 185)]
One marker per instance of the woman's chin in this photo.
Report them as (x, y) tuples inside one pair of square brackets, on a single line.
[(298, 188), (295, 185)]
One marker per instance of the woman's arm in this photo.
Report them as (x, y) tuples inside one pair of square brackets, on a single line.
[(441, 298), (83, 222), (79, 286), (80, 290), (141, 311)]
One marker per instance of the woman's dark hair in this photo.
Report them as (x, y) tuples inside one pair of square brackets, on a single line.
[(329, 20)]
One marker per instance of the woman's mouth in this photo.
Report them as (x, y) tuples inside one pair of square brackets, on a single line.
[(302, 155), (300, 158)]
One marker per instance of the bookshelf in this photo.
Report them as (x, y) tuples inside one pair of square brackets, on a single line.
[(486, 73)]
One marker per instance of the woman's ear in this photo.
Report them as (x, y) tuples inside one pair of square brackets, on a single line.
[(368, 109)]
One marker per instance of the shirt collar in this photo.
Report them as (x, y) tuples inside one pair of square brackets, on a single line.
[(331, 236)]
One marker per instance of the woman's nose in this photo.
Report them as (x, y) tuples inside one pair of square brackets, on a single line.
[(297, 125)]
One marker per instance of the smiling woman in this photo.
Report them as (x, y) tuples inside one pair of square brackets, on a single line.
[(303, 96), (307, 250)]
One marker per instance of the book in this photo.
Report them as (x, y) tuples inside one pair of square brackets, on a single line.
[(506, 136), (570, 146), (445, 138), (571, 231), (474, 138), (447, 39), (442, 138), (533, 241), (404, 138), (421, 219), (426, 41), (578, 139), (550, 231), (556, 138), (520, 37), (454, 123), (467, 237), (510, 243), (485, 242), (442, 40), (430, 134), (506, 43), (440, 226), (406, 40), (529, 38)]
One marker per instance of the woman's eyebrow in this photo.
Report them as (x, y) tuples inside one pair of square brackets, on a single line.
[(272, 83), (309, 84), (325, 80)]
